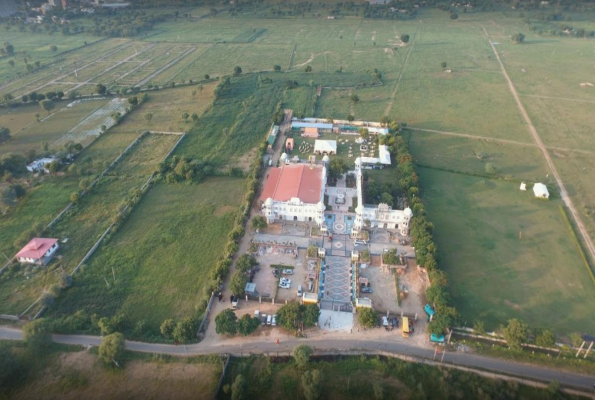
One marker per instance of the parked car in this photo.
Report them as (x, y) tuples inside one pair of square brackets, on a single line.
[(234, 302), (366, 290), (395, 322), (299, 291), (257, 314), (269, 319), (359, 241), (287, 272), (274, 322), (284, 285), (263, 319), (384, 320), (276, 272), (285, 280)]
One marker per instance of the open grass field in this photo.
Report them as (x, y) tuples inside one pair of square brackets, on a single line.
[(493, 273), (167, 107), (161, 256), (87, 221)]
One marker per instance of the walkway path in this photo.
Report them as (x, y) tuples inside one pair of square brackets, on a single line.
[(340, 343), (563, 193)]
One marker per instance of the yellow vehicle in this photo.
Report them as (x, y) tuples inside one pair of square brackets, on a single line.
[(405, 327)]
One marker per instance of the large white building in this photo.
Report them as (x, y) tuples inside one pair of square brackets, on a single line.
[(295, 193), (382, 216)]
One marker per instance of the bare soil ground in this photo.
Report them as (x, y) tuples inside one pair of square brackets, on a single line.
[(79, 375)]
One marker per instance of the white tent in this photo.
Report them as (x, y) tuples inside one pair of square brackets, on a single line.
[(325, 147), (540, 191)]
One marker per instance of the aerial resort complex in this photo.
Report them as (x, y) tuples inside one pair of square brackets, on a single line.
[(237, 199)]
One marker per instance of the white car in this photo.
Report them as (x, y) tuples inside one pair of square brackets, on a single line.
[(269, 319), (285, 280), (287, 272), (274, 322), (285, 285)]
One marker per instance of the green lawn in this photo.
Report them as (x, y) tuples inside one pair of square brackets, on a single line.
[(161, 256), (343, 144), (493, 274)]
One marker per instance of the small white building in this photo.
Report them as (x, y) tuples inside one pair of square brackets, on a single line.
[(540, 191), (325, 147), (40, 165), (295, 192), (381, 216), (523, 186)]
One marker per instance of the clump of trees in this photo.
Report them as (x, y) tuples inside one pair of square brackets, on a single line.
[(111, 348), (295, 317), (183, 331), (183, 169), (226, 322), (367, 317), (518, 38), (4, 134)]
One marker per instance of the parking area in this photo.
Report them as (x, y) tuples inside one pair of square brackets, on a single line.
[(382, 285), (298, 278)]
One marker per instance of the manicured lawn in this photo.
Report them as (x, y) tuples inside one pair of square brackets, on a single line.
[(344, 142), (507, 254), (162, 255)]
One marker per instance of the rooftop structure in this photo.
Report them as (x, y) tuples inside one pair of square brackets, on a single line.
[(38, 251), (325, 147), (289, 143), (310, 132), (540, 191)]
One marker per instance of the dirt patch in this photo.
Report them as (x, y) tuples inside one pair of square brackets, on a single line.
[(512, 305), (80, 375), (223, 210)]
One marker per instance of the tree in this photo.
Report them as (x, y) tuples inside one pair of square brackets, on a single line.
[(149, 117), (238, 389), (337, 167), (478, 328), (545, 338), (237, 71), (515, 333), (226, 322), (237, 283), (184, 330), (576, 339), (364, 133), (312, 384), (11, 63), (100, 89), (75, 197), (54, 48), (9, 366), (185, 115), (277, 68), (195, 118), (553, 389), (519, 38), (207, 77), (367, 317), (167, 328), (4, 134), (111, 348), (9, 48), (47, 105), (36, 334), (308, 69), (350, 118), (259, 222), (405, 38), (440, 324), (454, 16), (301, 355), (310, 314), (133, 101), (378, 390), (73, 94), (247, 324), (491, 168), (443, 64), (354, 98)]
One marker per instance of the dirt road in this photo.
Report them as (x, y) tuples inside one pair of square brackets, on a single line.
[(563, 193)]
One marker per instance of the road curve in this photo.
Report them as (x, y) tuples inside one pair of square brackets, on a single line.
[(530, 372)]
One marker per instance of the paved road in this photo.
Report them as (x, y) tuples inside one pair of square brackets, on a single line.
[(563, 192), (344, 344)]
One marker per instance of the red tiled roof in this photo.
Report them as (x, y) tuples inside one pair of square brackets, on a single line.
[(36, 248), (300, 180)]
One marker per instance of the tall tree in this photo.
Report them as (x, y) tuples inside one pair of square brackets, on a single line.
[(111, 348), (47, 105), (515, 333)]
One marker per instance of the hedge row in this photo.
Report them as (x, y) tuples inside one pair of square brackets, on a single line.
[(423, 240)]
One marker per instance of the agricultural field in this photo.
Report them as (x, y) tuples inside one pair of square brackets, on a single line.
[(158, 262), (507, 254), (86, 222), (167, 107)]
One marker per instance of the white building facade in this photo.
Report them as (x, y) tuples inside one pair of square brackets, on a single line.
[(382, 216)]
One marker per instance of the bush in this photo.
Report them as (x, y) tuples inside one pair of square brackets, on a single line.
[(111, 348), (367, 317), (301, 355), (226, 322), (247, 325)]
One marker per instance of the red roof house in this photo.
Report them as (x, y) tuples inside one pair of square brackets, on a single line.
[(296, 180), (38, 251)]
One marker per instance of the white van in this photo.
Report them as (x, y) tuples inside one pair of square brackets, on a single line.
[(299, 291), (360, 241)]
